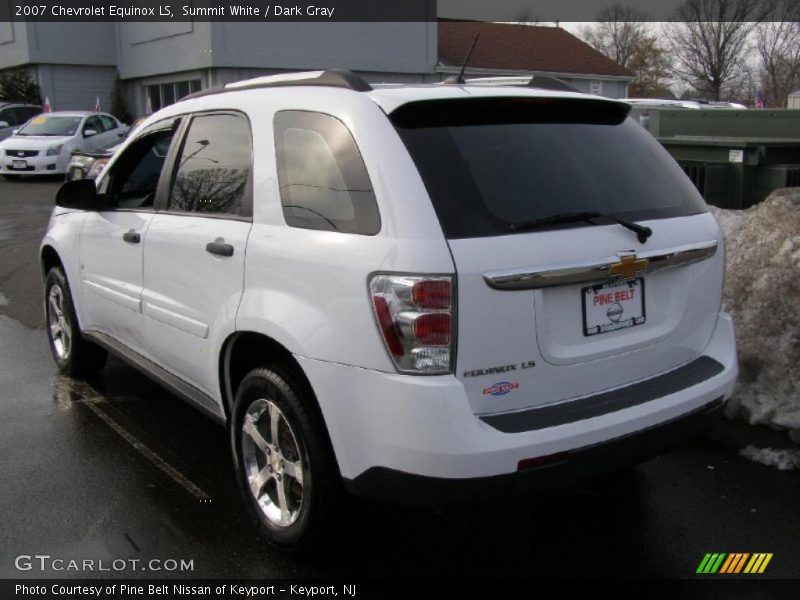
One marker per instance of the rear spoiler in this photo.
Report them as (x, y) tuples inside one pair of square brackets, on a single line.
[(506, 110)]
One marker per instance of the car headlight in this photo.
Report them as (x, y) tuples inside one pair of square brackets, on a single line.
[(54, 150)]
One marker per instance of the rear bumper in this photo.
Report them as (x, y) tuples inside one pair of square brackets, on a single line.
[(569, 468), (421, 429)]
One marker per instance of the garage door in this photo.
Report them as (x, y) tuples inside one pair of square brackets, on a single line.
[(77, 88)]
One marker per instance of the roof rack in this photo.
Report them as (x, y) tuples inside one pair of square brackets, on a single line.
[(337, 78)]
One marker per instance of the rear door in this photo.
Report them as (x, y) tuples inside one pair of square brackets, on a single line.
[(549, 313), (195, 248)]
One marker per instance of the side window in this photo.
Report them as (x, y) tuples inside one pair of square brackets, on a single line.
[(8, 116), (108, 123), (94, 123), (21, 114), (213, 168), (323, 181), (29, 113), (135, 174)]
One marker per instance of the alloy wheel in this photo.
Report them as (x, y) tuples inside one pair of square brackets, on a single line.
[(60, 329), (273, 463)]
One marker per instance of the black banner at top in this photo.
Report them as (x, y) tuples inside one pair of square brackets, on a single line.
[(530, 11), (218, 10)]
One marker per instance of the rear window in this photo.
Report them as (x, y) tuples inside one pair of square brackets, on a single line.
[(488, 163)]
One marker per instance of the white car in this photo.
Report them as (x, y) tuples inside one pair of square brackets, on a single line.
[(425, 293), (44, 145)]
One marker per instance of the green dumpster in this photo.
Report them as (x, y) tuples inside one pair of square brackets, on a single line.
[(735, 158)]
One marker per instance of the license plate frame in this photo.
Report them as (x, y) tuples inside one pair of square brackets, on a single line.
[(613, 304), (19, 165)]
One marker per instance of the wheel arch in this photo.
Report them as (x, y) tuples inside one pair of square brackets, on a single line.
[(244, 351), (49, 258)]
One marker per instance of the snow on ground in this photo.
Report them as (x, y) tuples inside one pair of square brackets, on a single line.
[(785, 460), (762, 293)]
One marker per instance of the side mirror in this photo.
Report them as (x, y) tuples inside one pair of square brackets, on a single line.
[(80, 194), (89, 133), (4, 124), (15, 132)]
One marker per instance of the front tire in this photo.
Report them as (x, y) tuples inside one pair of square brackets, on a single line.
[(284, 463), (74, 355)]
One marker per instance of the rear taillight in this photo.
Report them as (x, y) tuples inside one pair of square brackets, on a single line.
[(416, 321)]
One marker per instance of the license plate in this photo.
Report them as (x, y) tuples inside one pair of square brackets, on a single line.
[(613, 306), (19, 164)]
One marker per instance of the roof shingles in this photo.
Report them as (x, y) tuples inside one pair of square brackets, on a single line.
[(522, 48)]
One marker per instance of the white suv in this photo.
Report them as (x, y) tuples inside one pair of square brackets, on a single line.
[(426, 294)]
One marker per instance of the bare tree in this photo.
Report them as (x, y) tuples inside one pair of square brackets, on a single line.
[(526, 17), (710, 41), (618, 32), (778, 47), (622, 34), (652, 67)]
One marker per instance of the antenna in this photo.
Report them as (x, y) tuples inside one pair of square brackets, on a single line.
[(459, 80)]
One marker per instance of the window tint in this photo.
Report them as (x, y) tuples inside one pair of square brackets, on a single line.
[(323, 181), (23, 113), (94, 123), (214, 166), (108, 123), (135, 175), (26, 114), (8, 116), (489, 163)]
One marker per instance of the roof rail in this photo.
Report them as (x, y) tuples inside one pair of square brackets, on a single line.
[(338, 78), (547, 82)]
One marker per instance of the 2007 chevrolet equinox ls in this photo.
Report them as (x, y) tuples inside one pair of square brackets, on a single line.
[(420, 293)]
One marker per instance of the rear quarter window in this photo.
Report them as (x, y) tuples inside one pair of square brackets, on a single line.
[(323, 182)]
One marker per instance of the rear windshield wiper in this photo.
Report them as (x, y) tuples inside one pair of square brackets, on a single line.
[(642, 232)]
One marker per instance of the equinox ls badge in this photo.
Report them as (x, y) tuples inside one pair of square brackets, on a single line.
[(501, 369)]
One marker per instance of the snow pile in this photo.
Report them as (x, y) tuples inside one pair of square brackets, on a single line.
[(762, 293), (785, 460)]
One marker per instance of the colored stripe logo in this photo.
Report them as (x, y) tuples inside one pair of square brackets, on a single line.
[(734, 563)]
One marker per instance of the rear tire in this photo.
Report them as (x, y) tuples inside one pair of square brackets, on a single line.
[(284, 463), (74, 355)]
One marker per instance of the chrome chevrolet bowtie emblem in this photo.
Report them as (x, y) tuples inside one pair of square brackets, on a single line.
[(629, 266)]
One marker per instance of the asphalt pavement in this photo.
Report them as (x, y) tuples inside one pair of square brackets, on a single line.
[(117, 468)]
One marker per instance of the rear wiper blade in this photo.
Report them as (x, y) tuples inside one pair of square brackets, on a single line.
[(642, 232)]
